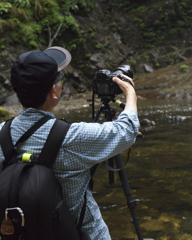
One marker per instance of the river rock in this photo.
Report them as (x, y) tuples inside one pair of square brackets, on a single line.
[(12, 100), (148, 68), (146, 122)]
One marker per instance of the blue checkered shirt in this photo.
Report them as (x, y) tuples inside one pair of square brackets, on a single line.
[(85, 145)]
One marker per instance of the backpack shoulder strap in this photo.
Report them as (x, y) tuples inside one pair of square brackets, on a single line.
[(6, 140), (53, 143), (31, 130)]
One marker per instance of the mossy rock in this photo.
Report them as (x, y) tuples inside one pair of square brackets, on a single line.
[(4, 113)]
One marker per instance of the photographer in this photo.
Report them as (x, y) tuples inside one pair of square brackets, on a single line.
[(35, 78)]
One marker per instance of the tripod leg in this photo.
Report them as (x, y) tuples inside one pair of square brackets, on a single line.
[(111, 173), (127, 191)]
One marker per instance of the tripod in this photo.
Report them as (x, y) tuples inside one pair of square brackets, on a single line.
[(109, 114)]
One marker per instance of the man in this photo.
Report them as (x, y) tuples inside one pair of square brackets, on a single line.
[(35, 78)]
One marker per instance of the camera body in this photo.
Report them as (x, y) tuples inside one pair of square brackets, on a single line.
[(103, 84)]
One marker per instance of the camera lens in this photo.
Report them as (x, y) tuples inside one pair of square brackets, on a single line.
[(125, 69)]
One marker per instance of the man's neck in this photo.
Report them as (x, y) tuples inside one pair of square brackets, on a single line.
[(42, 108)]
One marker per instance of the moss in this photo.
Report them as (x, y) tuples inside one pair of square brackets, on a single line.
[(184, 66), (142, 9), (157, 64), (92, 34), (88, 55), (33, 44), (99, 46), (132, 62), (4, 54), (4, 113), (94, 27)]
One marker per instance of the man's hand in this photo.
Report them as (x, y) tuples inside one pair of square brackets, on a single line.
[(129, 91)]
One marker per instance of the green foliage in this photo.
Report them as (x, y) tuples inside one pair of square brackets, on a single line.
[(93, 30), (92, 34), (4, 54), (99, 46), (94, 27), (80, 64), (33, 44), (27, 34), (78, 4), (71, 23), (86, 4), (31, 22), (149, 46), (142, 9), (147, 57), (72, 45), (132, 62), (138, 19), (133, 6), (5, 8), (160, 9), (64, 79), (173, 30), (142, 25), (50, 5), (106, 66), (184, 66), (157, 64), (88, 55), (168, 21), (22, 3), (183, 4)]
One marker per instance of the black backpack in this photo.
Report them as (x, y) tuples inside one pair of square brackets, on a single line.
[(31, 201)]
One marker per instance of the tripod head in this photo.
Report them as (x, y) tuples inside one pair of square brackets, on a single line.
[(106, 109)]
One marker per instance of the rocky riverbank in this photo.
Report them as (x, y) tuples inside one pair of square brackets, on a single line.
[(173, 82), (76, 102)]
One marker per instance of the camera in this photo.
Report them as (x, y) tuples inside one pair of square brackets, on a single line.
[(103, 84)]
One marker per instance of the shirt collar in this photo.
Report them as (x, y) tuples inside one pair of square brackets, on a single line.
[(30, 111)]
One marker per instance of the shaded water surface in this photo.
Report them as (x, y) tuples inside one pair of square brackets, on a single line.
[(159, 173)]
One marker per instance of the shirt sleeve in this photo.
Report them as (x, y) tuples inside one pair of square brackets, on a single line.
[(103, 141)]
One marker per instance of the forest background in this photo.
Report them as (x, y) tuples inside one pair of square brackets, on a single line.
[(153, 37)]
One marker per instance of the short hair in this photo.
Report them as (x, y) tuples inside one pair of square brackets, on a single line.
[(36, 99)]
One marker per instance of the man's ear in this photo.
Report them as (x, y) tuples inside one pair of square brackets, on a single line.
[(52, 92)]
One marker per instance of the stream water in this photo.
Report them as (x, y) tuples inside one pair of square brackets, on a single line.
[(159, 172)]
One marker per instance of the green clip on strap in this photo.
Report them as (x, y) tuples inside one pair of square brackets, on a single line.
[(26, 157)]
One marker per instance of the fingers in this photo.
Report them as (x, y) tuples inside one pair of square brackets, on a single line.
[(128, 88), (124, 81), (128, 79)]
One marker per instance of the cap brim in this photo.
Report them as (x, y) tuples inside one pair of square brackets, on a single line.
[(60, 55)]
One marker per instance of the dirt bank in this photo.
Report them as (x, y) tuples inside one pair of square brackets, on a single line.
[(77, 102)]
